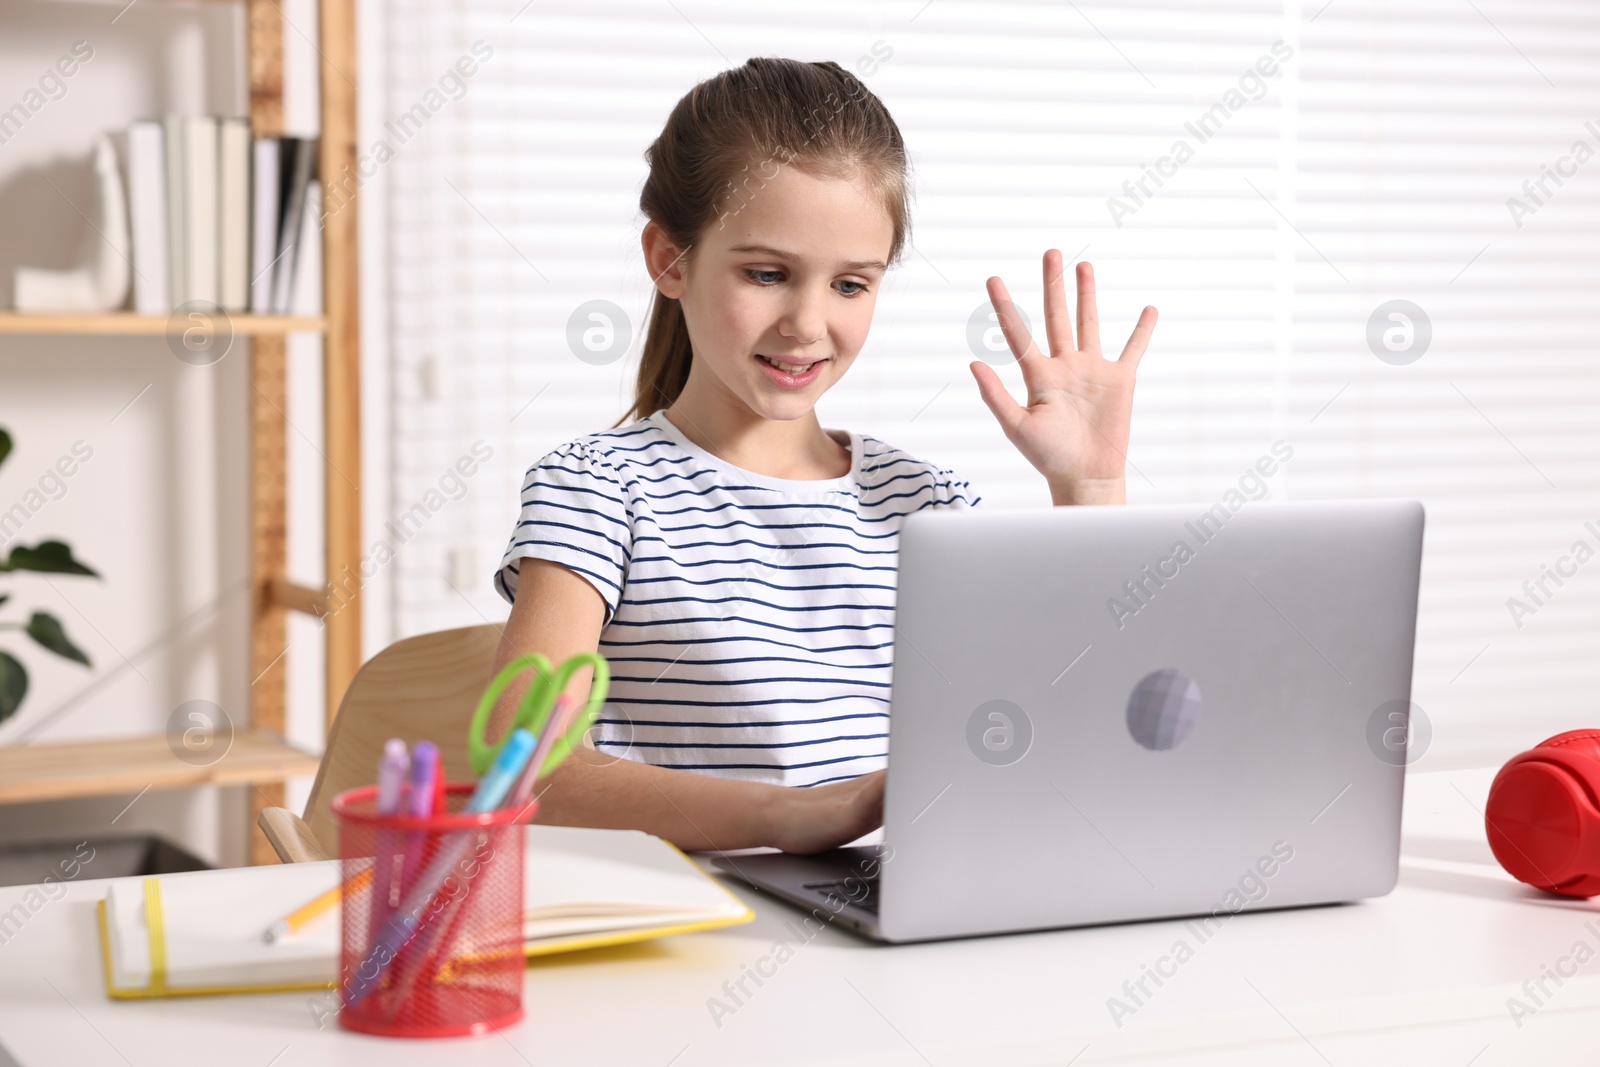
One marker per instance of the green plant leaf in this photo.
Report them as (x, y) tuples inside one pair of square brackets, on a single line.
[(5, 445), (46, 629), (53, 557), (13, 685)]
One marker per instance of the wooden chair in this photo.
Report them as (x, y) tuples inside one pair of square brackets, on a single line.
[(423, 687)]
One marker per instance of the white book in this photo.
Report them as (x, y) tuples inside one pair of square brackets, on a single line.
[(200, 222), (306, 299), (147, 210), (580, 888), (177, 241), (233, 214), (264, 207)]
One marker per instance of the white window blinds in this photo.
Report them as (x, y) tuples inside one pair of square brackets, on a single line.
[(1266, 174)]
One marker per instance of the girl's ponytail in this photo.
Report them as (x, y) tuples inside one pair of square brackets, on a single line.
[(664, 360), (723, 140)]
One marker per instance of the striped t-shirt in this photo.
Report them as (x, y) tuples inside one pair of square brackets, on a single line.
[(749, 620)]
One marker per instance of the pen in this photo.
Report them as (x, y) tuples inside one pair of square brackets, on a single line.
[(418, 804), (491, 791), (391, 773), (493, 787), (424, 772), (392, 769)]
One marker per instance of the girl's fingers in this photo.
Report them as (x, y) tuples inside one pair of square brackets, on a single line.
[(1018, 338), (1139, 340), (993, 390), (1057, 320), (1088, 313)]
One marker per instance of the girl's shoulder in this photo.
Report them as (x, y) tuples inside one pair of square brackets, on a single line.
[(879, 455), (884, 466), (612, 448)]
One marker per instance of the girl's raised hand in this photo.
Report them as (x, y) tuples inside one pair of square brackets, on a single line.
[(1074, 429)]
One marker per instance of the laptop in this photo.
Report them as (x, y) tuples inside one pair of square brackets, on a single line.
[(1105, 714)]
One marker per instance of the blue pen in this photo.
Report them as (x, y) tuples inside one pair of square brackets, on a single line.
[(491, 791), (493, 787)]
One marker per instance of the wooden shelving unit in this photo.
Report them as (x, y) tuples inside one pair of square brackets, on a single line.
[(134, 764), (259, 755)]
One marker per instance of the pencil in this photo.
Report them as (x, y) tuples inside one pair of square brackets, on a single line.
[(308, 911)]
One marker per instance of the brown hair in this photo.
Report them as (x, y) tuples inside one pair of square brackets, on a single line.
[(818, 117)]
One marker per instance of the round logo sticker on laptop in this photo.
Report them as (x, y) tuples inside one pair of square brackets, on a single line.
[(1163, 709), (999, 732)]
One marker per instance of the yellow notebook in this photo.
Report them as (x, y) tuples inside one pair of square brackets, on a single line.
[(200, 932)]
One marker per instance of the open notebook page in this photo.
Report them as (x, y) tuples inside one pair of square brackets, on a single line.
[(587, 881)]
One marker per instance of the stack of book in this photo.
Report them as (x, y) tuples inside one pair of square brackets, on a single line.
[(222, 219)]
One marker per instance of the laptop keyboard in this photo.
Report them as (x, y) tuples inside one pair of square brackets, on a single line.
[(862, 892)]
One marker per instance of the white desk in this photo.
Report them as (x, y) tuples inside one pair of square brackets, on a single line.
[(1421, 976)]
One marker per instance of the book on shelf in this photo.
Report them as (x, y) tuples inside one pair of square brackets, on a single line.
[(221, 217), (147, 204), (265, 205), (306, 295), (200, 172), (233, 215), (177, 272), (298, 169)]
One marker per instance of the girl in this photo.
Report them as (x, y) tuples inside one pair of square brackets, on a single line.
[(733, 560)]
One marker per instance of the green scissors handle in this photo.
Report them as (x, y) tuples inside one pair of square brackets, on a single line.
[(533, 710)]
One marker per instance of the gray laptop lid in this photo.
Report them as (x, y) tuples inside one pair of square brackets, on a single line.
[(1117, 713)]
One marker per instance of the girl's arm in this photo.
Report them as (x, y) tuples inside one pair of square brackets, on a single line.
[(558, 613)]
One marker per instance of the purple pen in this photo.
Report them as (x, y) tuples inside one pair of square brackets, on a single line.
[(392, 768), (424, 769), (419, 804)]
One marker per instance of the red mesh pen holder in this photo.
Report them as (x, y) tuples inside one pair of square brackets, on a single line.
[(431, 928)]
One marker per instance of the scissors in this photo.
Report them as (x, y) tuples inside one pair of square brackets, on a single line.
[(533, 711)]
